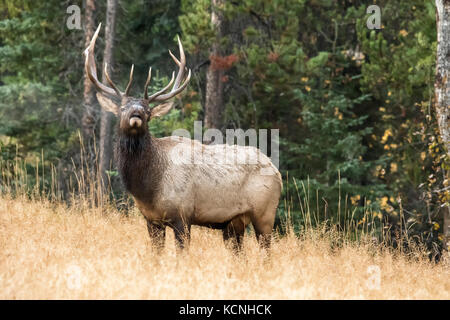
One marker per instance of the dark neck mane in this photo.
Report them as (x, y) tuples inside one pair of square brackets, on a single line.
[(140, 165)]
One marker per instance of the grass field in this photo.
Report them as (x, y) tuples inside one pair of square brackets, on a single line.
[(50, 251)]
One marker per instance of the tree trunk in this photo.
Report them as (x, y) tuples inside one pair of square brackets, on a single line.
[(442, 88), (88, 119), (214, 76), (106, 133)]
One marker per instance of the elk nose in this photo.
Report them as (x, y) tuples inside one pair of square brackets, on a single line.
[(136, 117), (135, 121)]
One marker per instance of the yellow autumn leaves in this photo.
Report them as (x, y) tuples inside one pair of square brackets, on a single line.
[(384, 205), (355, 199), (386, 135), (308, 88), (384, 202), (380, 171), (304, 80), (394, 167), (338, 114), (403, 33)]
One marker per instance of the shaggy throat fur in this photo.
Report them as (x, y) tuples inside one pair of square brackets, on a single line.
[(140, 165)]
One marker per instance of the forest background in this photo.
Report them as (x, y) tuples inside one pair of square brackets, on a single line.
[(354, 106)]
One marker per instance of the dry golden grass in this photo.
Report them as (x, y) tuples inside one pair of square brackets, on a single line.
[(54, 252)]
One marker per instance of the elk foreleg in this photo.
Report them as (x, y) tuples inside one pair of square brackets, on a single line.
[(157, 233)]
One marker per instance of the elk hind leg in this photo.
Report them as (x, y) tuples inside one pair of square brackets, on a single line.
[(263, 225), (234, 232)]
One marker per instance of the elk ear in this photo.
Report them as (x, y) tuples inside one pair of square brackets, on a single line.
[(107, 104), (161, 110)]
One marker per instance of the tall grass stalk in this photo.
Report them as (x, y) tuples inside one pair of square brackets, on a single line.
[(300, 214)]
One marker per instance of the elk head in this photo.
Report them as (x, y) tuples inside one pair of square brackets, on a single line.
[(134, 113)]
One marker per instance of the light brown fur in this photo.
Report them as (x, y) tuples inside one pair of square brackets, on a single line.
[(200, 187)]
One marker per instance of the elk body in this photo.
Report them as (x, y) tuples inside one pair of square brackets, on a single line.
[(172, 190)]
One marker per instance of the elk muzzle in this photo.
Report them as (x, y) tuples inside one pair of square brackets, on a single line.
[(136, 116), (135, 121)]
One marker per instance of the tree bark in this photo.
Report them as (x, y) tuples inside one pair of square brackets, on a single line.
[(442, 88), (88, 119), (214, 76), (106, 132)]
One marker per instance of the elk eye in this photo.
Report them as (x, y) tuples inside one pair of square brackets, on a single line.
[(122, 108)]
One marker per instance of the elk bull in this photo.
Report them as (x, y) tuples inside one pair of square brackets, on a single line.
[(168, 188)]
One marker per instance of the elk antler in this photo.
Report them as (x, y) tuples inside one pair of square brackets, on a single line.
[(159, 96), (91, 71)]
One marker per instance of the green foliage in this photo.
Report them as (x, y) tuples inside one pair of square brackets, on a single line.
[(195, 23), (354, 106), (399, 74), (35, 79), (145, 31)]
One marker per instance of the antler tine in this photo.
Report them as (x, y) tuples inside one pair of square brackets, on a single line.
[(91, 69), (110, 81), (178, 90), (127, 90), (182, 66), (157, 94), (174, 58), (147, 82)]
